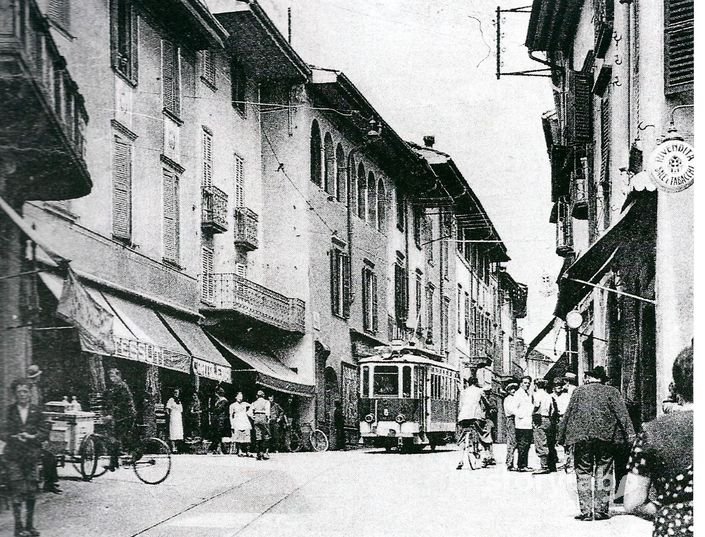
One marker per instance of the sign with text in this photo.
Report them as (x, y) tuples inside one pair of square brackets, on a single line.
[(672, 166), (204, 368), (148, 353)]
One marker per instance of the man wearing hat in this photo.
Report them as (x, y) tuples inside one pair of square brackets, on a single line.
[(260, 411), (595, 425), (49, 463), (511, 432), (570, 380)]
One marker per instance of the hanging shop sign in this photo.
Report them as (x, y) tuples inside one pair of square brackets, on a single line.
[(574, 319), (672, 166), (204, 368)]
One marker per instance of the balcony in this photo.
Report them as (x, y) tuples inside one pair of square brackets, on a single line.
[(481, 352), (43, 113), (246, 228), (214, 209), (232, 293)]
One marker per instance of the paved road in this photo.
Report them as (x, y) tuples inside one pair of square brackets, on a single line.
[(360, 492)]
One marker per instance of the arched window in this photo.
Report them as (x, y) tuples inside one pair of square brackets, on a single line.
[(329, 175), (341, 193), (353, 185), (381, 206), (372, 199), (316, 154), (361, 191)]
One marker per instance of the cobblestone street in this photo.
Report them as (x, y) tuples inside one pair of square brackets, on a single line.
[(359, 492)]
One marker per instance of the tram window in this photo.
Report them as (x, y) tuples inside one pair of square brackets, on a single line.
[(386, 380), (365, 381), (406, 381)]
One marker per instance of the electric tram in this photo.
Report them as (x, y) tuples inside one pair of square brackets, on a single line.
[(408, 399)]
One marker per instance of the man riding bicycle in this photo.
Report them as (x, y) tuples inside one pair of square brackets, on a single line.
[(121, 417), (471, 419)]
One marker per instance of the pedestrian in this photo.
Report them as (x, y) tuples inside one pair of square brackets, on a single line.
[(121, 416), (175, 410), (470, 417), (570, 381), (50, 473), (596, 423), (220, 422), (276, 417), (662, 458), (194, 416), (260, 412), (488, 427), (25, 431), (561, 398), (523, 422), (339, 424), (240, 425), (509, 420), (545, 415)]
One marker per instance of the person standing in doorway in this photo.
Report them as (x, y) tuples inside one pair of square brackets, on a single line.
[(260, 412), (509, 420), (194, 416), (596, 423), (523, 422), (276, 418), (175, 410), (220, 421), (339, 424), (24, 433)]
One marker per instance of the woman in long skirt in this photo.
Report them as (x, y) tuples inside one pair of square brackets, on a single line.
[(176, 419), (240, 425)]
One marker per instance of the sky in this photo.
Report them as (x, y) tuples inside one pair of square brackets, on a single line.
[(428, 67)]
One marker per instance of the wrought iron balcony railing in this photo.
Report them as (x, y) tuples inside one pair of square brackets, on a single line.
[(214, 209), (43, 113), (246, 227), (236, 293), (481, 351)]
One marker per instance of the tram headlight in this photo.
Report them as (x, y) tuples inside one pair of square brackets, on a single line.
[(369, 418), (401, 418)]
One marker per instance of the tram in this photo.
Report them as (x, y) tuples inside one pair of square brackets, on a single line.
[(408, 399)]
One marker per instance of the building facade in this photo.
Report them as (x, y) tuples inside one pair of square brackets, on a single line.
[(623, 96)]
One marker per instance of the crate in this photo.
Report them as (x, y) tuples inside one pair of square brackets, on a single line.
[(69, 429)]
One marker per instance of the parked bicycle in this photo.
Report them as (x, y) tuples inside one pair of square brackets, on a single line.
[(150, 458), (469, 442), (307, 438)]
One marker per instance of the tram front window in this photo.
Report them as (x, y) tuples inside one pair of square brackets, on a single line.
[(386, 380)]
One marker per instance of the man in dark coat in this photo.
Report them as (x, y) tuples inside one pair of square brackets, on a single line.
[(25, 431), (49, 462), (595, 424), (122, 413), (339, 424)]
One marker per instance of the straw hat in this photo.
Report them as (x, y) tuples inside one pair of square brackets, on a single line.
[(33, 372)]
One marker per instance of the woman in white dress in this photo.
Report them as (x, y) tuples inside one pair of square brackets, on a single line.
[(176, 419), (241, 426)]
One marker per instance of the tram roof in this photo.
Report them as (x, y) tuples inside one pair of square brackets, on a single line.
[(401, 357)]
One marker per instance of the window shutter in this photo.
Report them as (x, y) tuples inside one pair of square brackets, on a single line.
[(58, 11), (467, 316), (605, 141), (207, 274), (122, 189), (347, 291), (375, 319), (171, 217), (241, 269), (239, 182), (579, 110), (335, 281), (208, 66), (365, 299), (207, 159), (170, 77), (679, 35)]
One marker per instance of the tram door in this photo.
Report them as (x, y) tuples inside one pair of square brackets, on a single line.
[(421, 392)]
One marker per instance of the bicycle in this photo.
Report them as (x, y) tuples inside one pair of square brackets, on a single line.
[(150, 459), (309, 438), (470, 443)]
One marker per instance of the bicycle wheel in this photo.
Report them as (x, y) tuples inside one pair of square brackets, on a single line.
[(152, 463), (295, 442), (319, 440), (88, 457), (101, 456)]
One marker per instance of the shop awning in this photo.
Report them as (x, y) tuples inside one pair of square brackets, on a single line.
[(596, 260), (208, 362), (271, 373), (138, 334)]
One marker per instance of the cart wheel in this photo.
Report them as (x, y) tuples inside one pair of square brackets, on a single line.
[(319, 440), (295, 441), (152, 463), (88, 457), (101, 454)]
